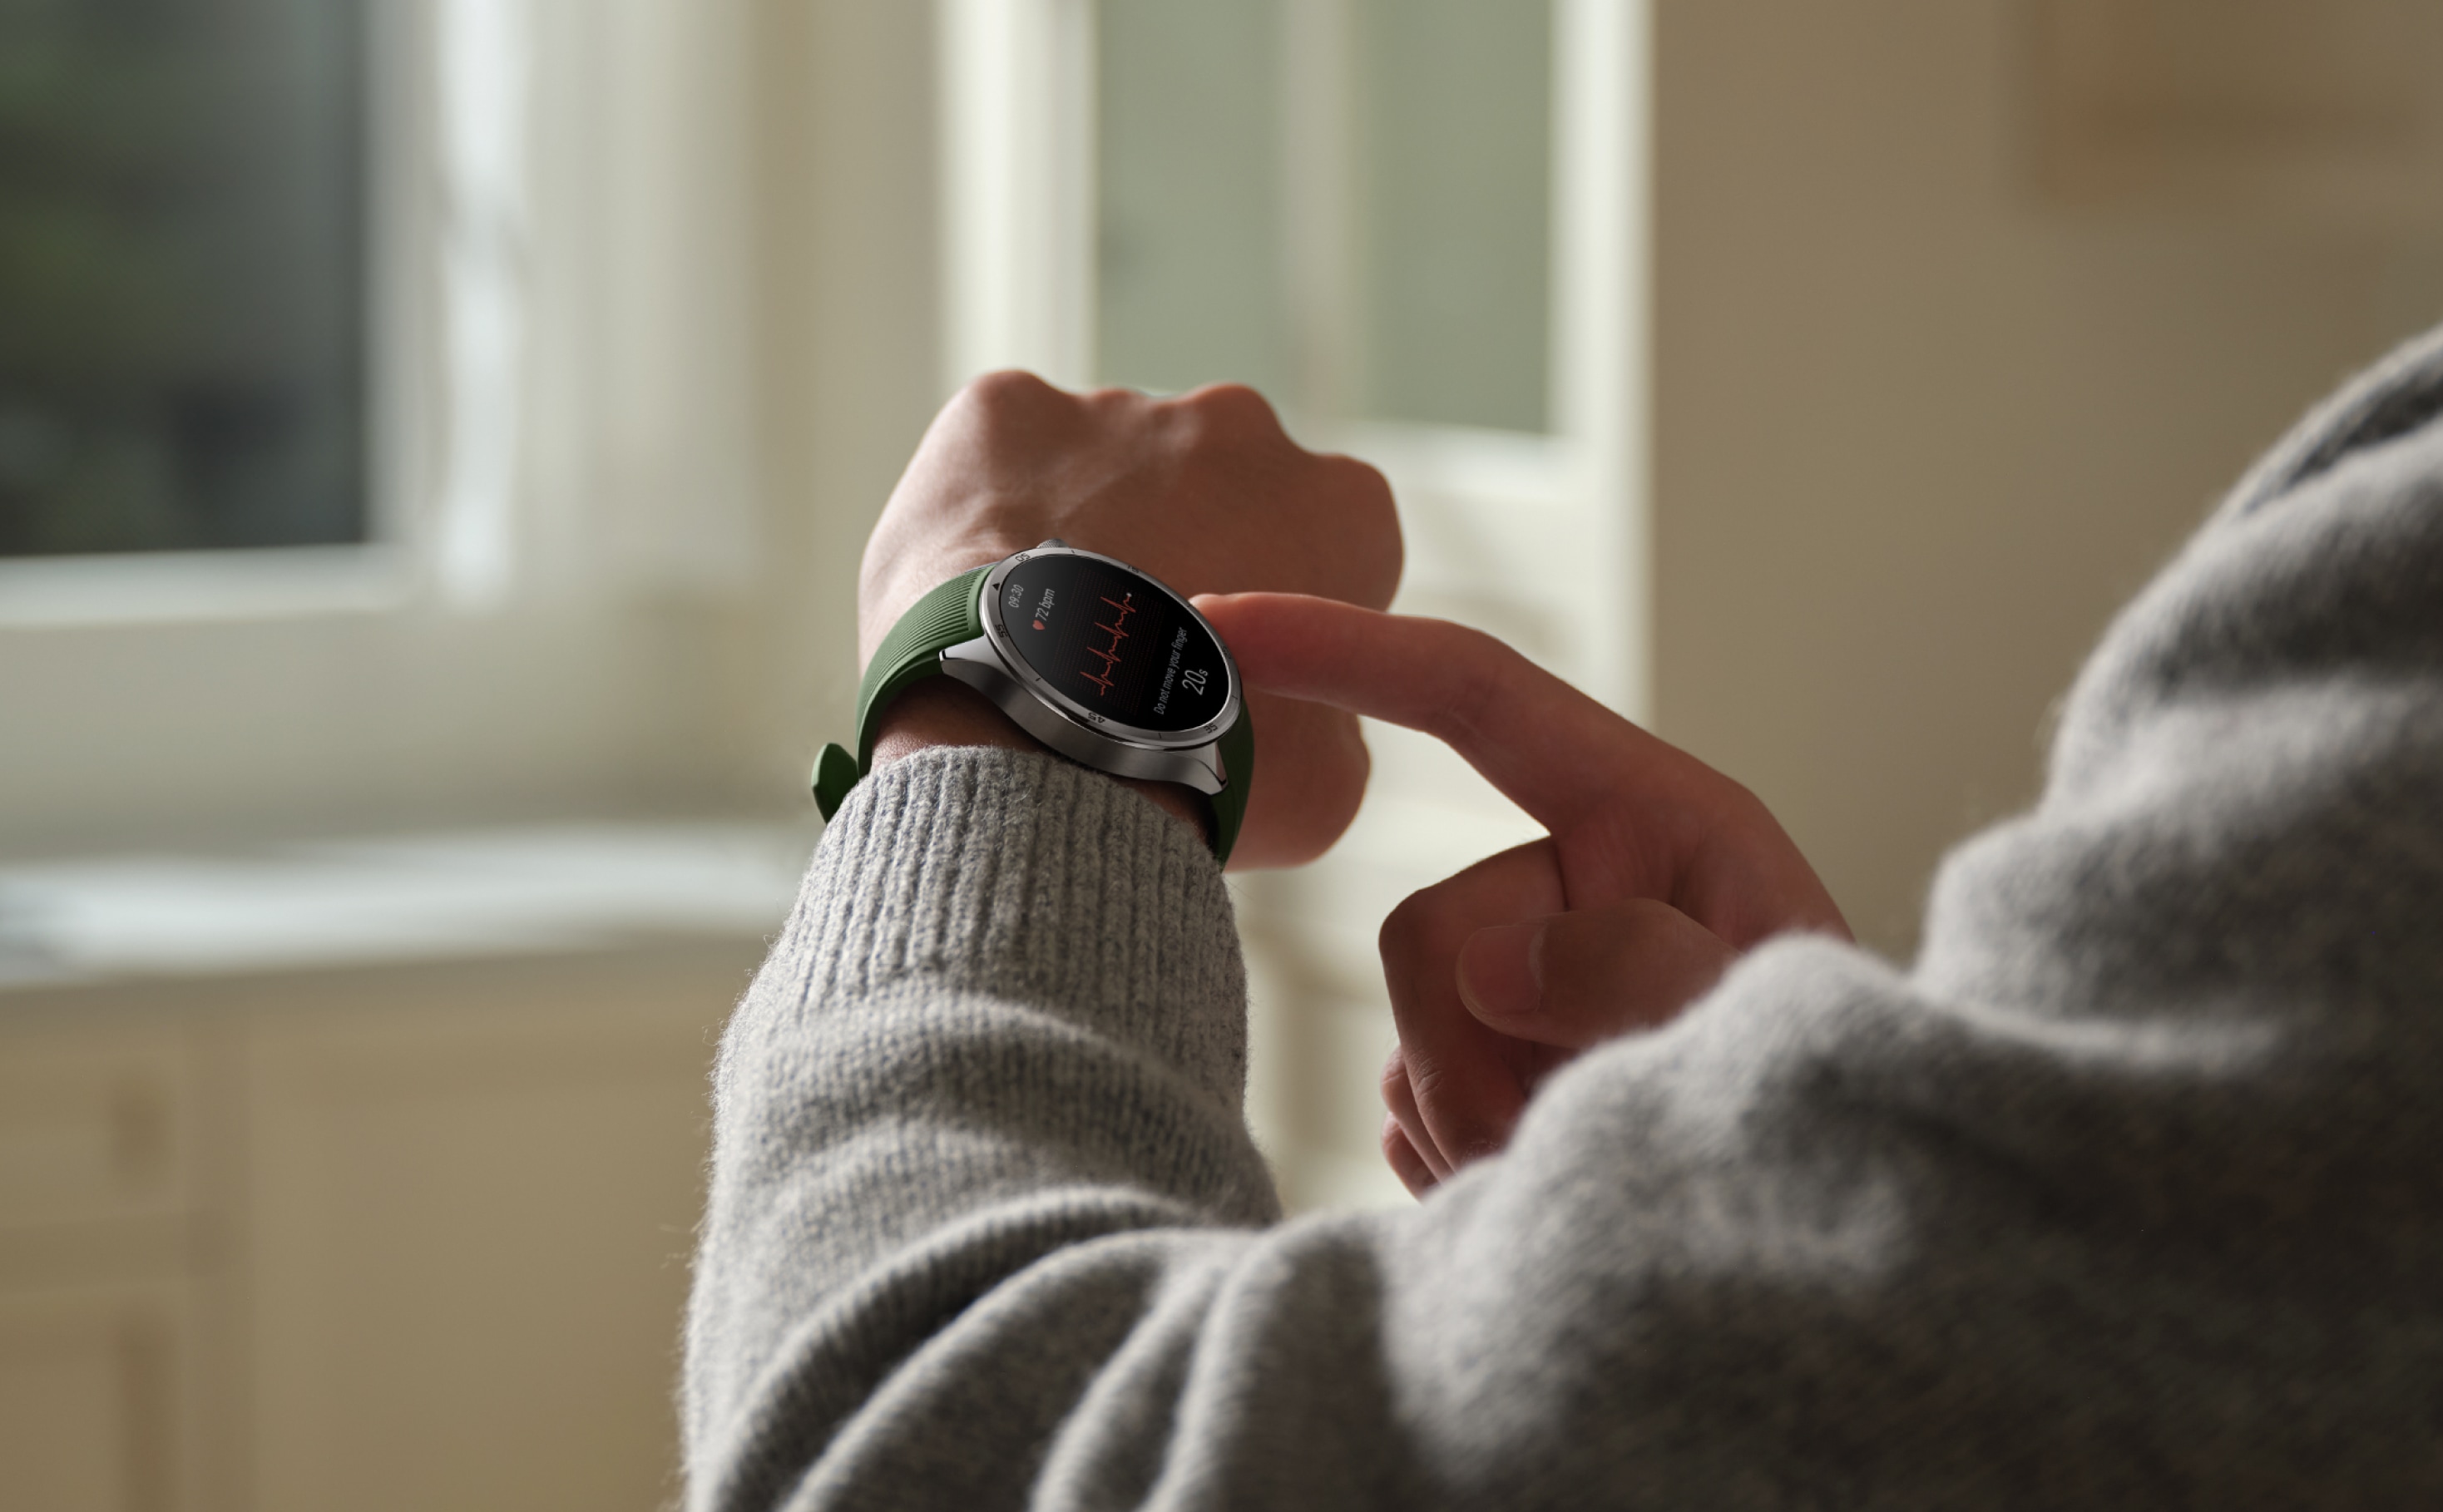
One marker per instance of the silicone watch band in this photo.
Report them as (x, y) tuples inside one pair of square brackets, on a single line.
[(912, 652)]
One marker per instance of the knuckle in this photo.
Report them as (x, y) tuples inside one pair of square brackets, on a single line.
[(1412, 925), (1234, 404), (1366, 518), (1393, 1082), (1477, 700), (1481, 666), (1394, 1141), (1227, 415), (1008, 383), (1006, 391), (1406, 1161), (1113, 400), (1359, 480)]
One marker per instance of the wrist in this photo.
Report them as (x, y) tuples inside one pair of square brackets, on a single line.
[(889, 588), (943, 713)]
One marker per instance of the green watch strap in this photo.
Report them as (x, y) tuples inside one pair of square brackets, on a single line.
[(912, 652)]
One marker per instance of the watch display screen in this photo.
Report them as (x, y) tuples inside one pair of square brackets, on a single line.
[(1114, 642)]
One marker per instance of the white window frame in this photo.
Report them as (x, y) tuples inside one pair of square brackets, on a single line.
[(593, 170), (369, 576), (1485, 512)]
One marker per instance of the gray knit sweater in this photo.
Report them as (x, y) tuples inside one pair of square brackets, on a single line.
[(2130, 1195)]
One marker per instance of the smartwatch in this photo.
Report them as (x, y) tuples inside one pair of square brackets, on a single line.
[(1092, 656)]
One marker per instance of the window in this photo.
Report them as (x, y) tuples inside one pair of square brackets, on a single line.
[(1347, 206), (396, 464), (182, 275)]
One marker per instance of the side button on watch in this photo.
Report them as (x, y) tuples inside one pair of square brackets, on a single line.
[(1092, 656)]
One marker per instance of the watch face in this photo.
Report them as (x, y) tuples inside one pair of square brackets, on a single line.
[(1114, 642)]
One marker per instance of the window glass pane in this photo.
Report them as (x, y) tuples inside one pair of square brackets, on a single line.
[(1441, 204), (1454, 116), (1189, 278), (181, 274)]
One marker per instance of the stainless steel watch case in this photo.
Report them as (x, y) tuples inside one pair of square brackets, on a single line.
[(991, 664)]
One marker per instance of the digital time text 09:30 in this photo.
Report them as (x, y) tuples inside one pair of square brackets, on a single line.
[(1114, 642)]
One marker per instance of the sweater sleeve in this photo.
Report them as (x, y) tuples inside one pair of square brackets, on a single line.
[(2126, 1195)]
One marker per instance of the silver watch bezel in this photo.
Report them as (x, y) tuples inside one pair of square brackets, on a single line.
[(1069, 709)]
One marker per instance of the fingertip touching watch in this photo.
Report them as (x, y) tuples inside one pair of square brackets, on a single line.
[(1092, 656)]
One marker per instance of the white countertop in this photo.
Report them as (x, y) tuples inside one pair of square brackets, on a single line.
[(424, 896)]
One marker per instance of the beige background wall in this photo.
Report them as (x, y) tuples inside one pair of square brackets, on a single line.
[(1920, 426)]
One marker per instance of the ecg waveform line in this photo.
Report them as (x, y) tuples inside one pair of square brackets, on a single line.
[(1111, 655)]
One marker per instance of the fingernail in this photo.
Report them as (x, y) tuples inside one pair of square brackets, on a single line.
[(1501, 971)]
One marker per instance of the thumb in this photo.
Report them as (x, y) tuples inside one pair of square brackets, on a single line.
[(1578, 978)]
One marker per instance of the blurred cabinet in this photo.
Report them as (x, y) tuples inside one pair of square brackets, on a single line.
[(406, 1237), (92, 1411), (104, 1261)]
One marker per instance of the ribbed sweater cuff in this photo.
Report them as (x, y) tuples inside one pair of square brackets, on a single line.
[(1026, 876)]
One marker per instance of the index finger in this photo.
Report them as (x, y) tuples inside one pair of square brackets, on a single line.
[(1551, 749)]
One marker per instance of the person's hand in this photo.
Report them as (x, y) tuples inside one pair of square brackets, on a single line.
[(1203, 491), (1656, 873)]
